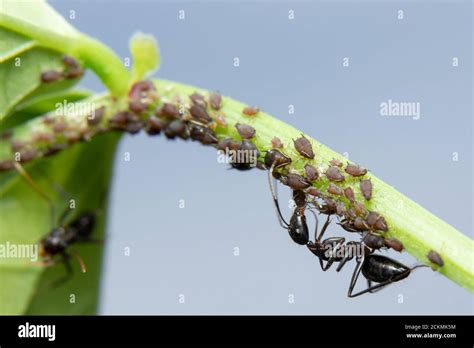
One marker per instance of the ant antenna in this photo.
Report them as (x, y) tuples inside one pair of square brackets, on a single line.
[(275, 198), (81, 261), (30, 180)]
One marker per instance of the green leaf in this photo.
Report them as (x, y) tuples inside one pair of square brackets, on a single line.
[(84, 172), (12, 44), (146, 56)]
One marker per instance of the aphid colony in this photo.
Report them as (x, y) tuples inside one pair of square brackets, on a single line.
[(197, 120)]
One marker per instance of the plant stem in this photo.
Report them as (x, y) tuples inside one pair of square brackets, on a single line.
[(418, 229)]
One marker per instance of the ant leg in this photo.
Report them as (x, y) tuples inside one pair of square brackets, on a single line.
[(325, 226), (355, 276), (30, 181), (347, 257), (275, 198)]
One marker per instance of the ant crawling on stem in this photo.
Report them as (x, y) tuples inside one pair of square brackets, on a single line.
[(62, 235)]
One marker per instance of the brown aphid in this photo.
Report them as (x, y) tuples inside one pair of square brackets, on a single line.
[(203, 134), (95, 118), (17, 145), (60, 126), (120, 118), (336, 163), (276, 159), (329, 207), (74, 68), (245, 131), (340, 208), (53, 149), (359, 209), (43, 137), (198, 99), (355, 170), (374, 241), (435, 258), (350, 214), (215, 100), (72, 136), (5, 135), (349, 193), (360, 224), (296, 181), (366, 188), (335, 190), (154, 125), (228, 144), (176, 128), (250, 110), (276, 143), (313, 191), (141, 94), (377, 221), (199, 113), (333, 174), (311, 172), (221, 121), (51, 76), (168, 110), (73, 73), (27, 155), (304, 148), (6, 165), (394, 244), (134, 127)]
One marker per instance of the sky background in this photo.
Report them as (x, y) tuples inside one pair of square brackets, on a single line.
[(190, 251)]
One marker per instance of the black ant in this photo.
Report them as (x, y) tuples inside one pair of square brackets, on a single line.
[(60, 238), (297, 228)]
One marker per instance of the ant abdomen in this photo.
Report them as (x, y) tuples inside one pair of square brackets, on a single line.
[(298, 228), (379, 269)]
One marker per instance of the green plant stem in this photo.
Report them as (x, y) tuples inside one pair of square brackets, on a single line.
[(418, 229)]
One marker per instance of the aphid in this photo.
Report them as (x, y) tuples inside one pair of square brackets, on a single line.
[(168, 110), (373, 241), (366, 188), (250, 110), (355, 170), (202, 134), (154, 125), (276, 159), (246, 156), (356, 225), (228, 144), (377, 221), (394, 244), (51, 76), (27, 155), (311, 172), (6, 165), (340, 208), (434, 257), (221, 121), (335, 190), (304, 148), (245, 131), (328, 207), (96, 117), (379, 269), (198, 99), (5, 135), (17, 145), (336, 163), (73, 68), (43, 137), (313, 191), (215, 100), (333, 174), (199, 113), (53, 149), (141, 95), (276, 143), (119, 120), (176, 128), (296, 181), (349, 193), (60, 126), (359, 209)]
